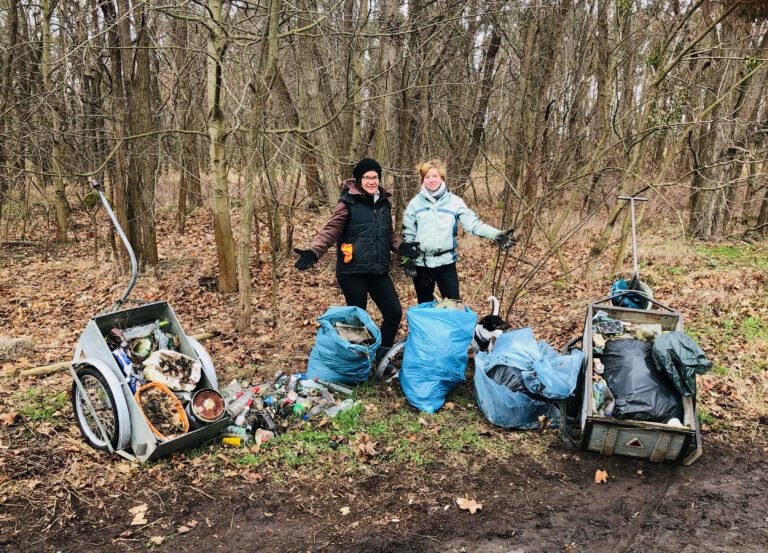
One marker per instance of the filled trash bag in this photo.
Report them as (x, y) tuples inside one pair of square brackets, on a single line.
[(641, 392), (516, 383), (677, 355), (435, 357), (334, 359)]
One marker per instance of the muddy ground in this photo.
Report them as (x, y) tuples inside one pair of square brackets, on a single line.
[(717, 504)]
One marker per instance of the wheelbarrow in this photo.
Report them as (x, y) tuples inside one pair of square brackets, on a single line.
[(582, 426), (105, 407)]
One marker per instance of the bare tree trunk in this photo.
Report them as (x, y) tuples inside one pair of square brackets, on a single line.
[(59, 185), (6, 94), (385, 138), (261, 86), (222, 224), (143, 147)]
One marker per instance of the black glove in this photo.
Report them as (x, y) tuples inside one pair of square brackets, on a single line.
[(505, 241), (306, 259), (409, 249)]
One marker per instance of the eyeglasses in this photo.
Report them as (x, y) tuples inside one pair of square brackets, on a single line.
[(370, 179)]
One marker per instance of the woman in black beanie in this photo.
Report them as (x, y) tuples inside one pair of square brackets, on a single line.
[(361, 227)]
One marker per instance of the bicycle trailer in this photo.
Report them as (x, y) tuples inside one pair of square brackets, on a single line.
[(106, 409)]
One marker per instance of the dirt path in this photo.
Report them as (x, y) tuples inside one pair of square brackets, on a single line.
[(718, 504)]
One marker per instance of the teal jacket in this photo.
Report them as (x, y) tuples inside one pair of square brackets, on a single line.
[(434, 227)]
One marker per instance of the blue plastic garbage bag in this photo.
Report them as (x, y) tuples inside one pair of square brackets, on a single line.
[(545, 373), (435, 357), (633, 301), (334, 359)]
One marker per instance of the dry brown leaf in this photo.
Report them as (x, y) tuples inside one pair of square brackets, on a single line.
[(601, 477), (250, 476), (138, 513), (9, 418), (183, 529), (156, 540), (344, 511), (450, 405), (363, 447), (468, 504)]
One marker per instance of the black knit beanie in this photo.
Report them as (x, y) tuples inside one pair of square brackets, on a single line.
[(363, 166)]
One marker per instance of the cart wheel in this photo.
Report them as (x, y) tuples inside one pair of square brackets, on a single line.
[(390, 365), (103, 401)]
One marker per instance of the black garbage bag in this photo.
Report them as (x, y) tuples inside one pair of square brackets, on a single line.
[(677, 355), (514, 380), (508, 376), (642, 393)]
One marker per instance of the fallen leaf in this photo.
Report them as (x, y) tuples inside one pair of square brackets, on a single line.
[(601, 477), (125, 468), (9, 418), (468, 504), (183, 529), (450, 405), (32, 484), (138, 513), (250, 476), (156, 540), (344, 511)]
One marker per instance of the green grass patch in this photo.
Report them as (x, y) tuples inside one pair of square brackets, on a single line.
[(720, 370), (398, 434), (734, 255), (41, 404), (753, 328), (705, 417)]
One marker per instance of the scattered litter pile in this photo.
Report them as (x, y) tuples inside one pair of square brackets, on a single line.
[(170, 393), (641, 372), (266, 410)]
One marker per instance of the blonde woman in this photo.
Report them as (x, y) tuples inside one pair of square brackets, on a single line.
[(431, 220)]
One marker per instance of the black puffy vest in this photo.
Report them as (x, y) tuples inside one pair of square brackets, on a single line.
[(369, 231)]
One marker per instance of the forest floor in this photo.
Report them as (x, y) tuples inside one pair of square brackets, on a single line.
[(394, 478)]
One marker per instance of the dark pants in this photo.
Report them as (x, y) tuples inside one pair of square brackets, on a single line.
[(357, 287), (447, 281)]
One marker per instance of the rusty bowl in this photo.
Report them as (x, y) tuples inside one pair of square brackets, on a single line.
[(207, 405)]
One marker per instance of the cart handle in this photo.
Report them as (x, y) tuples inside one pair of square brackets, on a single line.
[(134, 266)]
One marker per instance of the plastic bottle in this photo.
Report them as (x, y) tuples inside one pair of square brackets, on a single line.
[(240, 420), (320, 407), (240, 400), (341, 407), (143, 331), (337, 388)]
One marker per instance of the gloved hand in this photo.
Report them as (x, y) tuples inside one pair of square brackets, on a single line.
[(505, 241), (410, 249), (306, 259)]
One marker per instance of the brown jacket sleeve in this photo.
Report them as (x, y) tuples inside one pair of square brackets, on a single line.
[(395, 241), (331, 231)]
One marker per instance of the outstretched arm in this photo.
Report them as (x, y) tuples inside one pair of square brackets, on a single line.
[(472, 223), (331, 231)]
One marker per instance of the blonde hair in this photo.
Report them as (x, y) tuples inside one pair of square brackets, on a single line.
[(423, 168)]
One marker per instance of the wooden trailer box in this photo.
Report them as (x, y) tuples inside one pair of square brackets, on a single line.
[(581, 426)]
